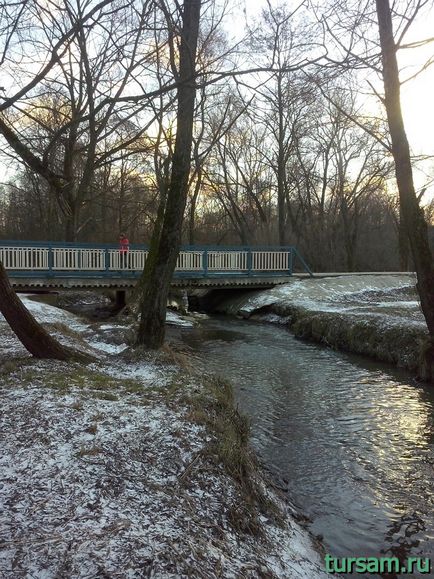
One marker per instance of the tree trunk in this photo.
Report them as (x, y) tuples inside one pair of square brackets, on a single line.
[(412, 215), (191, 223), (162, 259), (31, 334), (71, 222), (140, 287), (404, 250), (281, 214)]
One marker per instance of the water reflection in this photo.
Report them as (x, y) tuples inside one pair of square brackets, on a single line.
[(352, 440)]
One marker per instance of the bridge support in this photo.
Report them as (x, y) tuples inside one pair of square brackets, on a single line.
[(120, 299)]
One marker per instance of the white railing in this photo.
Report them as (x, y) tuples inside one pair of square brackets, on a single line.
[(87, 259), (65, 259), (132, 260), (228, 260), (270, 260), (190, 261), (22, 258)]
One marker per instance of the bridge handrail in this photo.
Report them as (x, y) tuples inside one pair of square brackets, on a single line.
[(144, 246), (57, 258)]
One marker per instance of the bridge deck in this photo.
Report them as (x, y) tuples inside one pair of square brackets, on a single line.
[(35, 283)]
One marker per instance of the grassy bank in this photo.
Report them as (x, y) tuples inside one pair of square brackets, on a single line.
[(395, 343)]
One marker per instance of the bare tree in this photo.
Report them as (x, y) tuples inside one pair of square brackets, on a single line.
[(77, 110), (283, 38), (240, 179), (412, 214), (162, 256), (359, 48)]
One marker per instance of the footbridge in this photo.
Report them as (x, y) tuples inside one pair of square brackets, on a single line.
[(46, 265)]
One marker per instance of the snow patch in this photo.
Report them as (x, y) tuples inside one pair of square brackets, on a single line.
[(47, 314), (175, 319), (373, 297)]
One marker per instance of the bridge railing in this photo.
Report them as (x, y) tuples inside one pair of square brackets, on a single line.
[(18, 258), (74, 259)]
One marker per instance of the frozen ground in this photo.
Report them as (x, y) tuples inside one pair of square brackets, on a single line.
[(391, 297), (102, 474)]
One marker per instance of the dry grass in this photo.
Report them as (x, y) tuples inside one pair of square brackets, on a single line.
[(213, 407), (92, 429), (106, 396), (75, 376), (77, 405), (8, 367), (65, 330), (89, 451)]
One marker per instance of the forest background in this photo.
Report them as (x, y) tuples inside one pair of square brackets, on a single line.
[(290, 140)]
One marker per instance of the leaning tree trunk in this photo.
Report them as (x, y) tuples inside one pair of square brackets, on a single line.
[(412, 215), (162, 258), (32, 335)]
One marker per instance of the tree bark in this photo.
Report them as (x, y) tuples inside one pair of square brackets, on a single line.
[(404, 249), (161, 260), (412, 215), (30, 333), (194, 197), (71, 224), (281, 166)]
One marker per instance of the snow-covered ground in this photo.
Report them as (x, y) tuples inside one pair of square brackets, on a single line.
[(391, 297), (173, 318), (103, 474), (340, 294)]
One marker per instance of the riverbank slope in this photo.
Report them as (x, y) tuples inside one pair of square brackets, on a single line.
[(373, 315)]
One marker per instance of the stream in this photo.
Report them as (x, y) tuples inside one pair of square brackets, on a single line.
[(351, 441)]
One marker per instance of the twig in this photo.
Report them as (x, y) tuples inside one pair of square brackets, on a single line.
[(188, 468)]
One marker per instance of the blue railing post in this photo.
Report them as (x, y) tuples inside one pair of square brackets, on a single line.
[(205, 263), (304, 264), (249, 261)]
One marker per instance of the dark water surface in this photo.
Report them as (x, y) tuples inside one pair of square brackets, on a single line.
[(352, 440)]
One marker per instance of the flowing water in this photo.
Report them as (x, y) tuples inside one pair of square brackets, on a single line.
[(352, 441)]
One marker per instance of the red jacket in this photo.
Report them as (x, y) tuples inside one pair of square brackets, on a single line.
[(124, 245)]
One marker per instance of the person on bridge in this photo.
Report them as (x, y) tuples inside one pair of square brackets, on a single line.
[(124, 246)]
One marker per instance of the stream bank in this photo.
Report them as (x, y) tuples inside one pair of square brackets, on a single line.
[(372, 315)]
